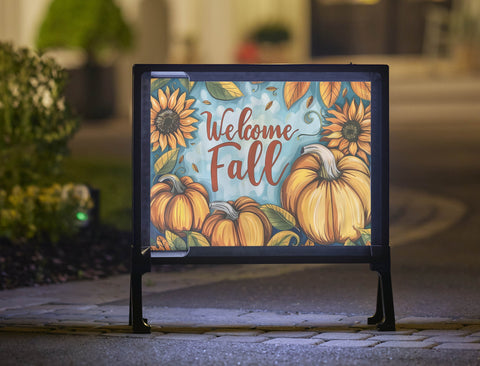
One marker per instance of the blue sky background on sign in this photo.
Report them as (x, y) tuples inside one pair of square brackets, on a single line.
[(300, 115)]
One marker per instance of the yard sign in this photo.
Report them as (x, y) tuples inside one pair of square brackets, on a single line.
[(261, 164)]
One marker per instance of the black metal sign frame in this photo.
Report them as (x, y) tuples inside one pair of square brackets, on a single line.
[(376, 252)]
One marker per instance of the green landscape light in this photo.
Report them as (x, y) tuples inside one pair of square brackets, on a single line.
[(82, 216)]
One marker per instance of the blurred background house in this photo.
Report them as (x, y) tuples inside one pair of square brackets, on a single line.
[(301, 31)]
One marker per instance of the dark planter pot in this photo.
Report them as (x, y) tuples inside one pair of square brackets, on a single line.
[(90, 91)]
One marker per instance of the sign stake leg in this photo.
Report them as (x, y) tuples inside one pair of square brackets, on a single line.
[(378, 316), (384, 315), (136, 320)]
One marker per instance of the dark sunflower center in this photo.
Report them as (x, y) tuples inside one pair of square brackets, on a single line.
[(167, 121), (351, 130)]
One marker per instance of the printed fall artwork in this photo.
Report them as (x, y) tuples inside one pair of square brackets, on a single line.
[(238, 163)]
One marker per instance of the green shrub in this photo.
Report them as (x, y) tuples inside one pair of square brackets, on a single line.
[(35, 123), (42, 214)]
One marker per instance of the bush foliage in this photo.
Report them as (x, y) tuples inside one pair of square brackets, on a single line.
[(38, 219), (35, 127), (43, 214), (35, 123)]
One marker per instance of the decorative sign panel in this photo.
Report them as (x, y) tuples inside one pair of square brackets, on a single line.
[(259, 163)]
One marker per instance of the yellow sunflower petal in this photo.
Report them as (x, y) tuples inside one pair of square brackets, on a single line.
[(365, 137), (353, 148), (188, 103), (152, 128), (343, 145), (172, 141), (188, 121), (172, 101), (180, 103), (363, 156), (185, 113), (167, 92), (365, 146), (187, 135), (154, 137), (187, 128), (333, 127), (155, 146), (367, 114), (335, 135), (162, 98), (155, 104), (360, 112), (366, 123), (352, 111), (163, 141), (334, 121), (153, 115), (334, 143), (367, 130), (180, 139), (341, 117)]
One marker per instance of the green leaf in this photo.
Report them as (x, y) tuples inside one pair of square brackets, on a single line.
[(157, 84), (283, 238), (357, 243), (280, 218), (187, 84), (166, 162), (223, 90), (366, 235), (174, 241), (195, 239), (349, 243)]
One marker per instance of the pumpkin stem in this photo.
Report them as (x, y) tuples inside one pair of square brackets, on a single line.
[(177, 185), (329, 170), (226, 207)]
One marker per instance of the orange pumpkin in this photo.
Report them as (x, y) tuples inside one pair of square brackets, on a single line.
[(178, 204), (239, 223), (329, 194)]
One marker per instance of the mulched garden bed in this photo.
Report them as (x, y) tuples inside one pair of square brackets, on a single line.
[(91, 254)]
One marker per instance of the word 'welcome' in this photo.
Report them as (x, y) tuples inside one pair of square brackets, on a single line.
[(244, 131)]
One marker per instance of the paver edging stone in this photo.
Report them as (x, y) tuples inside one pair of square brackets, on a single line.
[(407, 344), (241, 339), (294, 341), (458, 346)]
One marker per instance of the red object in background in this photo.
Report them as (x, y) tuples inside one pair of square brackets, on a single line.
[(248, 53)]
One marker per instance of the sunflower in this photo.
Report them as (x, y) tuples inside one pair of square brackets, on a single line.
[(170, 119), (350, 129)]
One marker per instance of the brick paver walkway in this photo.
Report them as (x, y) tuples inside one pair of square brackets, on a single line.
[(226, 325)]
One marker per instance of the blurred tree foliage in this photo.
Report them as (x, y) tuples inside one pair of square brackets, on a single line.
[(95, 26)]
